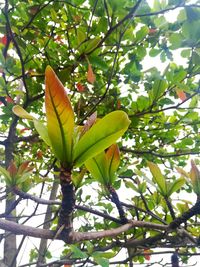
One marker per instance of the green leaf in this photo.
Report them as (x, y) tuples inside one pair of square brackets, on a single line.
[(191, 31), (54, 15), (77, 253), (103, 166), (179, 76), (112, 158), (42, 130), (176, 40), (101, 261), (142, 103), (160, 22), (77, 177), (100, 136), (91, 44), (81, 35), (39, 126), (158, 90), (22, 178), (6, 175), (129, 184), (175, 186), (98, 167), (186, 53), (158, 177), (142, 33), (154, 52), (98, 62)]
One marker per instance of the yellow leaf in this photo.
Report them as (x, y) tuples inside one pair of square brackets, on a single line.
[(113, 159), (100, 136), (158, 177), (60, 117), (22, 113)]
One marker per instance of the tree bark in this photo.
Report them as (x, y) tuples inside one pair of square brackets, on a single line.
[(10, 245), (43, 243), (68, 201)]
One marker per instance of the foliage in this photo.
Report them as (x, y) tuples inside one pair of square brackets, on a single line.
[(130, 63)]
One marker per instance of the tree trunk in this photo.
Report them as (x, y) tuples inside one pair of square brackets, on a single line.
[(43, 243), (10, 246)]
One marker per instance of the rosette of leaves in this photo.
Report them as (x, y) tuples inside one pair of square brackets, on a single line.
[(165, 188), (103, 167), (70, 145), (17, 176), (193, 177)]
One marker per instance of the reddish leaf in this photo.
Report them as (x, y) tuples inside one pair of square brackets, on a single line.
[(146, 254), (24, 130), (77, 18), (4, 40), (118, 104), (58, 39), (90, 121), (113, 160), (90, 75), (80, 87), (60, 116), (9, 99), (181, 94), (152, 31), (12, 169), (33, 9), (24, 167), (39, 154)]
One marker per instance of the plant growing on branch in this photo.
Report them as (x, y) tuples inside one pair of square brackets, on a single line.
[(103, 168), (73, 145)]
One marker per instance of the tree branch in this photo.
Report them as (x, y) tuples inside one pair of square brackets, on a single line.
[(150, 152), (54, 202), (130, 15), (74, 237)]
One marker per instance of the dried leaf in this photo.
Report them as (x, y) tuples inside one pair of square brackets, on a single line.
[(181, 95), (90, 75), (90, 121)]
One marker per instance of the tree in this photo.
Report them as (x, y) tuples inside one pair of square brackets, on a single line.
[(130, 70)]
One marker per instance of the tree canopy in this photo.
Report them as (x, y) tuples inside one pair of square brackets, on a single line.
[(99, 143)]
